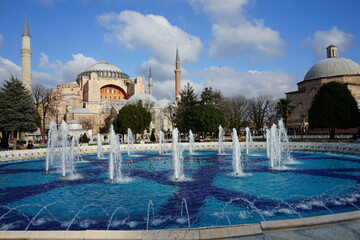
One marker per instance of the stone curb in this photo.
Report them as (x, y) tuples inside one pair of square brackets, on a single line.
[(329, 147), (193, 233)]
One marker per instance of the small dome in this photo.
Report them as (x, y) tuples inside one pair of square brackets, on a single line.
[(70, 97), (81, 111), (145, 100), (164, 103), (73, 121), (331, 67)]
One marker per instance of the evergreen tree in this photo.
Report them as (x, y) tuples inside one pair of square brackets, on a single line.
[(334, 107), (137, 118), (152, 136), (17, 112), (185, 115), (201, 117), (208, 119), (188, 97), (211, 97)]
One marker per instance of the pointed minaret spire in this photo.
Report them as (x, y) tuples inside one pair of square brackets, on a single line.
[(177, 75), (177, 54), (26, 31), (26, 52), (150, 82)]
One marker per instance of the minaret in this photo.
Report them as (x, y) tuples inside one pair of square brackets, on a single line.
[(150, 82), (177, 76), (26, 57)]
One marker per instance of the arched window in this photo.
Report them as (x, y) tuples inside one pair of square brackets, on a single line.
[(113, 92)]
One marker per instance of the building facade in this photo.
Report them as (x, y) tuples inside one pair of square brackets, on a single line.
[(333, 68), (101, 90)]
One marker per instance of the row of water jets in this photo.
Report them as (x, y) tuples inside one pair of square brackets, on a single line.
[(322, 201), (64, 152)]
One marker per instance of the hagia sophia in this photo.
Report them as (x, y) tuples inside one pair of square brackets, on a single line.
[(102, 89)]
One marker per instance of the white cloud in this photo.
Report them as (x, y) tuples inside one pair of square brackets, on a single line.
[(60, 72), (167, 88), (234, 33), (160, 71), (163, 78), (49, 3), (134, 30), (323, 38), (2, 39), (48, 80), (248, 38), (76, 65), (54, 73), (8, 69), (250, 83), (225, 10)]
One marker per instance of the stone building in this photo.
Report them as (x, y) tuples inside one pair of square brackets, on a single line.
[(101, 90), (98, 90), (333, 68)]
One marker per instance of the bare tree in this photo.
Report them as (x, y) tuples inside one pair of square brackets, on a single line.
[(87, 123), (261, 110), (235, 110), (44, 102), (170, 113)]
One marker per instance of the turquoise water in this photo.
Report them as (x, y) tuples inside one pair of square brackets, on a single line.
[(314, 184)]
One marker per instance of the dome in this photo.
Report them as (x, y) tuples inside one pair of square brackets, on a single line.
[(164, 103), (81, 111), (333, 66), (102, 66), (73, 121), (105, 69), (146, 100)]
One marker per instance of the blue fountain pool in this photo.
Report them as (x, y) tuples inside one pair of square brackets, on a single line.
[(317, 183)]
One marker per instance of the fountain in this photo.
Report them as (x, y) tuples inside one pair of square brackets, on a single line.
[(62, 153), (99, 146), (276, 137), (284, 139), (161, 143), (161, 199), (130, 141), (191, 143), (64, 143), (236, 163), (74, 157), (115, 159), (267, 143), (52, 145), (221, 148), (177, 156), (248, 140)]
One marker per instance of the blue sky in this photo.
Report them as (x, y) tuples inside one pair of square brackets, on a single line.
[(241, 47)]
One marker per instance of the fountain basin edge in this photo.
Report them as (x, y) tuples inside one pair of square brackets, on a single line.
[(306, 146), (193, 233)]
